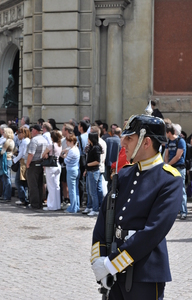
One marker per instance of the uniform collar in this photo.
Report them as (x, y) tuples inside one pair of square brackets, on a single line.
[(150, 163)]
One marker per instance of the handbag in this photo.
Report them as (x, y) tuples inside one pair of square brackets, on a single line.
[(82, 161), (51, 161), (15, 167)]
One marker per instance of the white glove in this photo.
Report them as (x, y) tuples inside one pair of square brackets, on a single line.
[(104, 282), (99, 269)]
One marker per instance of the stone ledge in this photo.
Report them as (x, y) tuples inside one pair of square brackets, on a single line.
[(174, 104)]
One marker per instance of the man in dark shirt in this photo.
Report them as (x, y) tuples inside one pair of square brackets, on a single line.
[(156, 112)]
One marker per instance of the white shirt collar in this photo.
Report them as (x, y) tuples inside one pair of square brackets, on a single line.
[(150, 163)]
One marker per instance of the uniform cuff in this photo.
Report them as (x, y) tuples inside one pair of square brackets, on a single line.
[(108, 265), (97, 251), (122, 261)]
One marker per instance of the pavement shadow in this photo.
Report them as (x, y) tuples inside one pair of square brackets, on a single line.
[(180, 241), (19, 209)]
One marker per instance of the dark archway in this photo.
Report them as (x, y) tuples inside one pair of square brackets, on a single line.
[(9, 60), (16, 73)]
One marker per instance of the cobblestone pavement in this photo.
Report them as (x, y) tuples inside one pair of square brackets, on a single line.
[(45, 255)]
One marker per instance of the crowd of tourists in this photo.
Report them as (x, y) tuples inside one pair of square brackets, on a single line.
[(72, 168), (82, 154)]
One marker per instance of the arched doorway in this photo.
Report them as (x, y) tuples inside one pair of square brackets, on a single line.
[(9, 60)]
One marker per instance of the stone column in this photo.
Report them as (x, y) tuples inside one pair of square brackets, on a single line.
[(96, 77), (114, 84)]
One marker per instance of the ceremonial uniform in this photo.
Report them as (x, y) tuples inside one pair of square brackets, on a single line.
[(149, 198)]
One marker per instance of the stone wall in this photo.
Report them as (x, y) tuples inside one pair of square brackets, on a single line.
[(58, 59)]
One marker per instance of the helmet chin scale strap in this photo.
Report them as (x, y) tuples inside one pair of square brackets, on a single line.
[(140, 140)]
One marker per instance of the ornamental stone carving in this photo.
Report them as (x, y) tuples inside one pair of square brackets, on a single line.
[(98, 22), (19, 12), (12, 14), (112, 4), (5, 17), (108, 9), (120, 21), (12, 17)]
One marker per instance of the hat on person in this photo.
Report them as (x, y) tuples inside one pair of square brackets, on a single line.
[(154, 127), (177, 128), (37, 127)]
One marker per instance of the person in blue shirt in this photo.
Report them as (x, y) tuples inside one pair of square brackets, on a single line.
[(175, 153), (71, 159)]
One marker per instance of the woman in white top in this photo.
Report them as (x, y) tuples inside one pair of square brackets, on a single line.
[(53, 173), (20, 179), (71, 159)]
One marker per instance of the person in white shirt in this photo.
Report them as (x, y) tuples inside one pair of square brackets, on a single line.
[(46, 127), (2, 138), (53, 173)]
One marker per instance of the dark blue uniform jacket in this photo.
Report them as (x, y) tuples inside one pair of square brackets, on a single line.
[(148, 202)]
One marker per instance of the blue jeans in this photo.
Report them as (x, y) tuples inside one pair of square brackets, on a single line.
[(100, 189), (73, 186), (7, 182), (89, 202), (21, 186), (183, 209), (93, 178)]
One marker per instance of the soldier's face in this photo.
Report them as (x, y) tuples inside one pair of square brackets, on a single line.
[(130, 142)]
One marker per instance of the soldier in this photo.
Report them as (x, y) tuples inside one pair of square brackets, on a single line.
[(149, 198)]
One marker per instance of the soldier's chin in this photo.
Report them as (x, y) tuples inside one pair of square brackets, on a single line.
[(128, 156)]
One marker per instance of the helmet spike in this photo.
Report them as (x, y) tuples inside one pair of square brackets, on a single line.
[(149, 110)]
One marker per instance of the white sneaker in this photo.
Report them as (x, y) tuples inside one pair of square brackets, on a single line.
[(65, 205), (87, 210), (18, 202), (45, 208), (93, 213)]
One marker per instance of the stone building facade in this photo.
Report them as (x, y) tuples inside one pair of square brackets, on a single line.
[(97, 58)]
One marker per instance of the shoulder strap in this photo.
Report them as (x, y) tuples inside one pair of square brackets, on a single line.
[(177, 141), (80, 142), (53, 149)]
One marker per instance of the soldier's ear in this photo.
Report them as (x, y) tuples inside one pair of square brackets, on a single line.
[(147, 142)]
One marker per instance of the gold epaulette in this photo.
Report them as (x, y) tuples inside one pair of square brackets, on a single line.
[(171, 170)]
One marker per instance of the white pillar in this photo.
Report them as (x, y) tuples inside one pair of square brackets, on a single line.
[(114, 85)]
